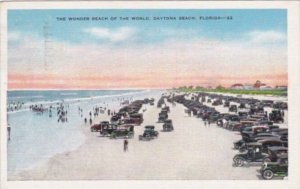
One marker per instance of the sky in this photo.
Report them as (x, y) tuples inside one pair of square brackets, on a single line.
[(45, 52)]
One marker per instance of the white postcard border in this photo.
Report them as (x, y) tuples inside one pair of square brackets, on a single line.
[(293, 94)]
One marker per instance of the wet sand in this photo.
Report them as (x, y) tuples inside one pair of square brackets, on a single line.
[(192, 152)]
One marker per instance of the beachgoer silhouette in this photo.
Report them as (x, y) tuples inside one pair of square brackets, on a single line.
[(91, 121), (125, 145), (8, 131), (85, 120)]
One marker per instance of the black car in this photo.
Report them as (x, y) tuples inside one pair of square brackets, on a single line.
[(233, 108), (276, 116), (168, 125), (274, 152), (226, 104), (279, 168), (149, 133), (253, 154), (123, 131), (162, 116)]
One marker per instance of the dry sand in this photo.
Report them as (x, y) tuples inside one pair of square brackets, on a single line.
[(191, 151)]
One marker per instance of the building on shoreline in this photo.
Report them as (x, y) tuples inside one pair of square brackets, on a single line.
[(258, 85)]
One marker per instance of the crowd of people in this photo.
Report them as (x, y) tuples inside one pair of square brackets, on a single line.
[(14, 106)]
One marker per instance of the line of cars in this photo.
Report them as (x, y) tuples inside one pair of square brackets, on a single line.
[(150, 132), (262, 142), (121, 124)]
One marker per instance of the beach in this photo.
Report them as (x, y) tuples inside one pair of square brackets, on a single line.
[(192, 151)]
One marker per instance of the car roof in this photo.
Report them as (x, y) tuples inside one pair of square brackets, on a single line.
[(282, 156), (270, 139), (253, 144), (259, 134), (275, 148)]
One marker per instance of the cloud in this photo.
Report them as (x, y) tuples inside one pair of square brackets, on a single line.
[(171, 62), (113, 35), (267, 37)]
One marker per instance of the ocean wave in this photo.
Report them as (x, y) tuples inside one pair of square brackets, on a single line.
[(19, 97), (76, 101), (68, 94)]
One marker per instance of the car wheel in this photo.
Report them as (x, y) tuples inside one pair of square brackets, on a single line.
[(268, 174), (239, 161)]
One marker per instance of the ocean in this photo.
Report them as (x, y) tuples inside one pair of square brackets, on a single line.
[(36, 137)]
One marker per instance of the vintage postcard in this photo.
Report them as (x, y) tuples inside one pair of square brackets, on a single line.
[(150, 94)]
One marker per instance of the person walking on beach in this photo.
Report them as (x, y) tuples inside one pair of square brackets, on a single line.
[(208, 123), (85, 120), (91, 121), (8, 131), (125, 145)]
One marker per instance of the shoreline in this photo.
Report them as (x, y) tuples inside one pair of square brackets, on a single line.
[(84, 130)]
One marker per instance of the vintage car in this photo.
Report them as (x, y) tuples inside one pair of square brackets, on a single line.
[(274, 152), (123, 131), (246, 123), (168, 125), (134, 121), (248, 145), (166, 108), (242, 106), (243, 115), (213, 117), (217, 102), (162, 117), (253, 154), (137, 117), (226, 104), (115, 118), (233, 125), (106, 130), (270, 142), (98, 127), (278, 168), (280, 105), (149, 133), (233, 108), (276, 116)]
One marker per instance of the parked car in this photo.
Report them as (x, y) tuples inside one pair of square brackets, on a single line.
[(270, 142), (98, 127), (134, 121), (166, 108), (168, 125), (149, 133), (226, 104), (162, 117), (242, 106), (137, 117), (253, 154), (123, 131), (233, 108), (279, 168), (276, 116), (106, 130), (274, 152)]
